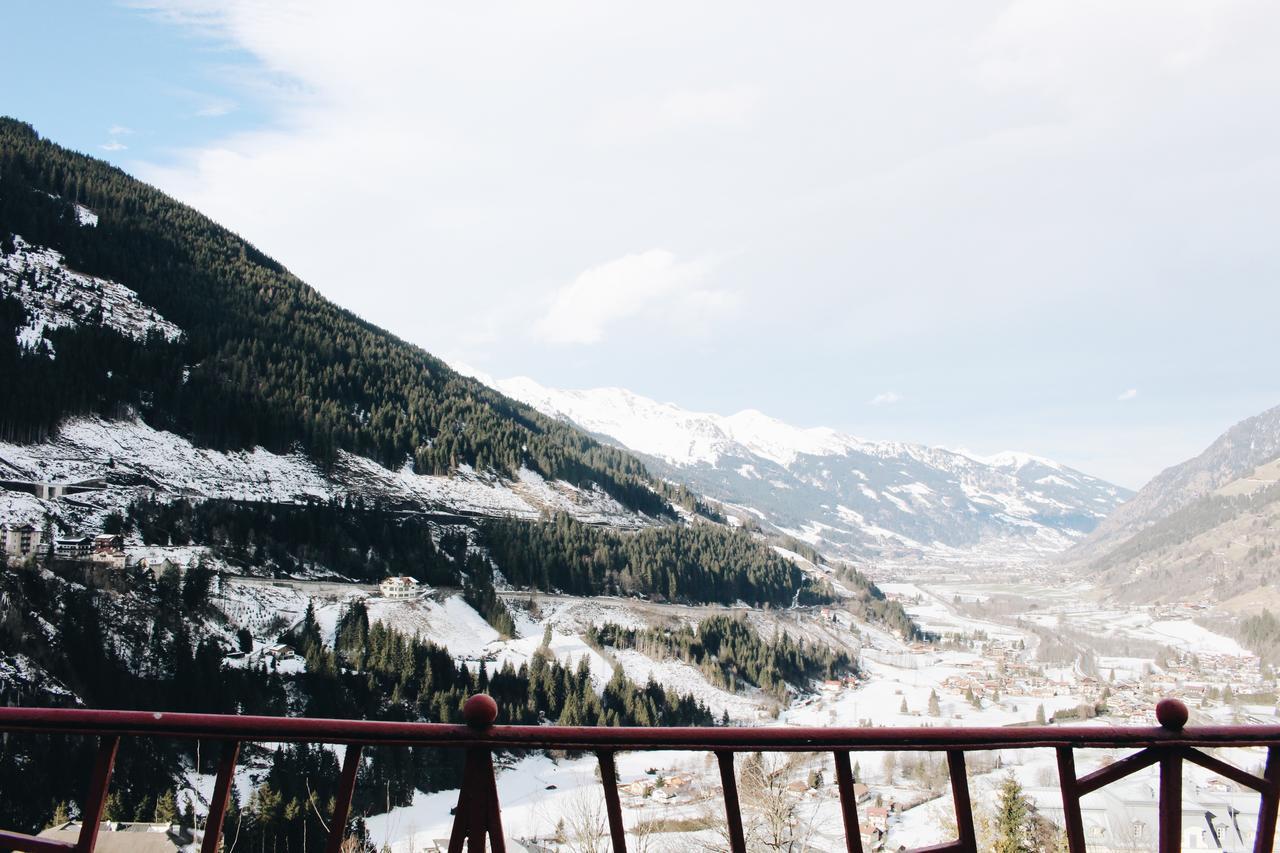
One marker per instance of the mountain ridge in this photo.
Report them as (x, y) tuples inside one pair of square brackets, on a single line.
[(1202, 529), (888, 498)]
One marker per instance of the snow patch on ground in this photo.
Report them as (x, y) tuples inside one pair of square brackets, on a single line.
[(56, 297), (132, 451)]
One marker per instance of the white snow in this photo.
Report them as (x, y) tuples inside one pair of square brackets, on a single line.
[(86, 217), (686, 678), (56, 297), (85, 448)]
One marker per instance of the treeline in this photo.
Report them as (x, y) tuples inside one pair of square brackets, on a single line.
[(694, 563), (265, 359), (731, 654)]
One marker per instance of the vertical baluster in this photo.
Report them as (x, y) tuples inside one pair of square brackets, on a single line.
[(96, 799), (1265, 838), (342, 802), (848, 801), (492, 807), (732, 812), (221, 791), (1070, 799), (960, 797), (1171, 800), (478, 812), (609, 778)]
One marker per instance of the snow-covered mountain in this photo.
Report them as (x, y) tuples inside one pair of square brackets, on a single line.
[(852, 495)]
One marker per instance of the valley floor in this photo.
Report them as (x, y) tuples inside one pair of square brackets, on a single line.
[(1010, 654)]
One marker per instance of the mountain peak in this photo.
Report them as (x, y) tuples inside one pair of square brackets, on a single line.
[(849, 494)]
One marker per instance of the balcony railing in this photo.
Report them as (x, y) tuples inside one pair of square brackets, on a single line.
[(478, 815)]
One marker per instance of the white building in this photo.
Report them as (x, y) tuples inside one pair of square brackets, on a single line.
[(21, 540), (399, 587)]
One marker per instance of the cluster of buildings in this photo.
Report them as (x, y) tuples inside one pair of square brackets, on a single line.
[(27, 542), (24, 543)]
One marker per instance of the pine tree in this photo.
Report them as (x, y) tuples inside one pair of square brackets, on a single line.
[(60, 815), (1040, 715), (935, 707), (1013, 819), (113, 809), (166, 810)]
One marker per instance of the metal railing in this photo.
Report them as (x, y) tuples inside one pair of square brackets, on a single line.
[(478, 815)]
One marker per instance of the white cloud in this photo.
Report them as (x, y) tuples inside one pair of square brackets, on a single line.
[(647, 283), (119, 130), (639, 119), (950, 196), (1127, 394), (886, 398), (216, 107), (113, 145)]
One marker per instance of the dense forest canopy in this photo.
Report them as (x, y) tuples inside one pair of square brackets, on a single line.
[(732, 654), (265, 360), (694, 563)]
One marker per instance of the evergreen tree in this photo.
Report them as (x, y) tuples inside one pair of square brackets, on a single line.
[(166, 810), (935, 708), (1013, 818)]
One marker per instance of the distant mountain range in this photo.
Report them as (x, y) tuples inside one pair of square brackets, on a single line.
[(851, 496), (1208, 527)]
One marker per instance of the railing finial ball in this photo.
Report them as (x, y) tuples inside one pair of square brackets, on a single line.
[(1171, 713), (480, 711)]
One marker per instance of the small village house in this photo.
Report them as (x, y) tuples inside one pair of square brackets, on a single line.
[(399, 587)]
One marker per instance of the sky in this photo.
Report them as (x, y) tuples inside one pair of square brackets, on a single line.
[(1044, 226)]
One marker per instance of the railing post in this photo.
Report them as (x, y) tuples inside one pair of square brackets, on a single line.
[(342, 801), (960, 797), (1172, 715), (478, 813), (221, 791), (1074, 824), (848, 802), (96, 800), (609, 778), (1265, 838), (732, 811)]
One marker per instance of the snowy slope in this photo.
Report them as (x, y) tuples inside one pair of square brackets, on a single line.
[(135, 459), (852, 495), (56, 297)]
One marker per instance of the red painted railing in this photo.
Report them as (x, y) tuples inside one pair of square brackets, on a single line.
[(478, 814)]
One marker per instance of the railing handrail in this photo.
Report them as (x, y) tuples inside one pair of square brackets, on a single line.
[(764, 738), (478, 815)]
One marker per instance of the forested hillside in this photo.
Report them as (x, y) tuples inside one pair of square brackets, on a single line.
[(262, 359), (143, 643)]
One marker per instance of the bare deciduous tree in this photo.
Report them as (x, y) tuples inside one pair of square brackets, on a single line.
[(586, 826)]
